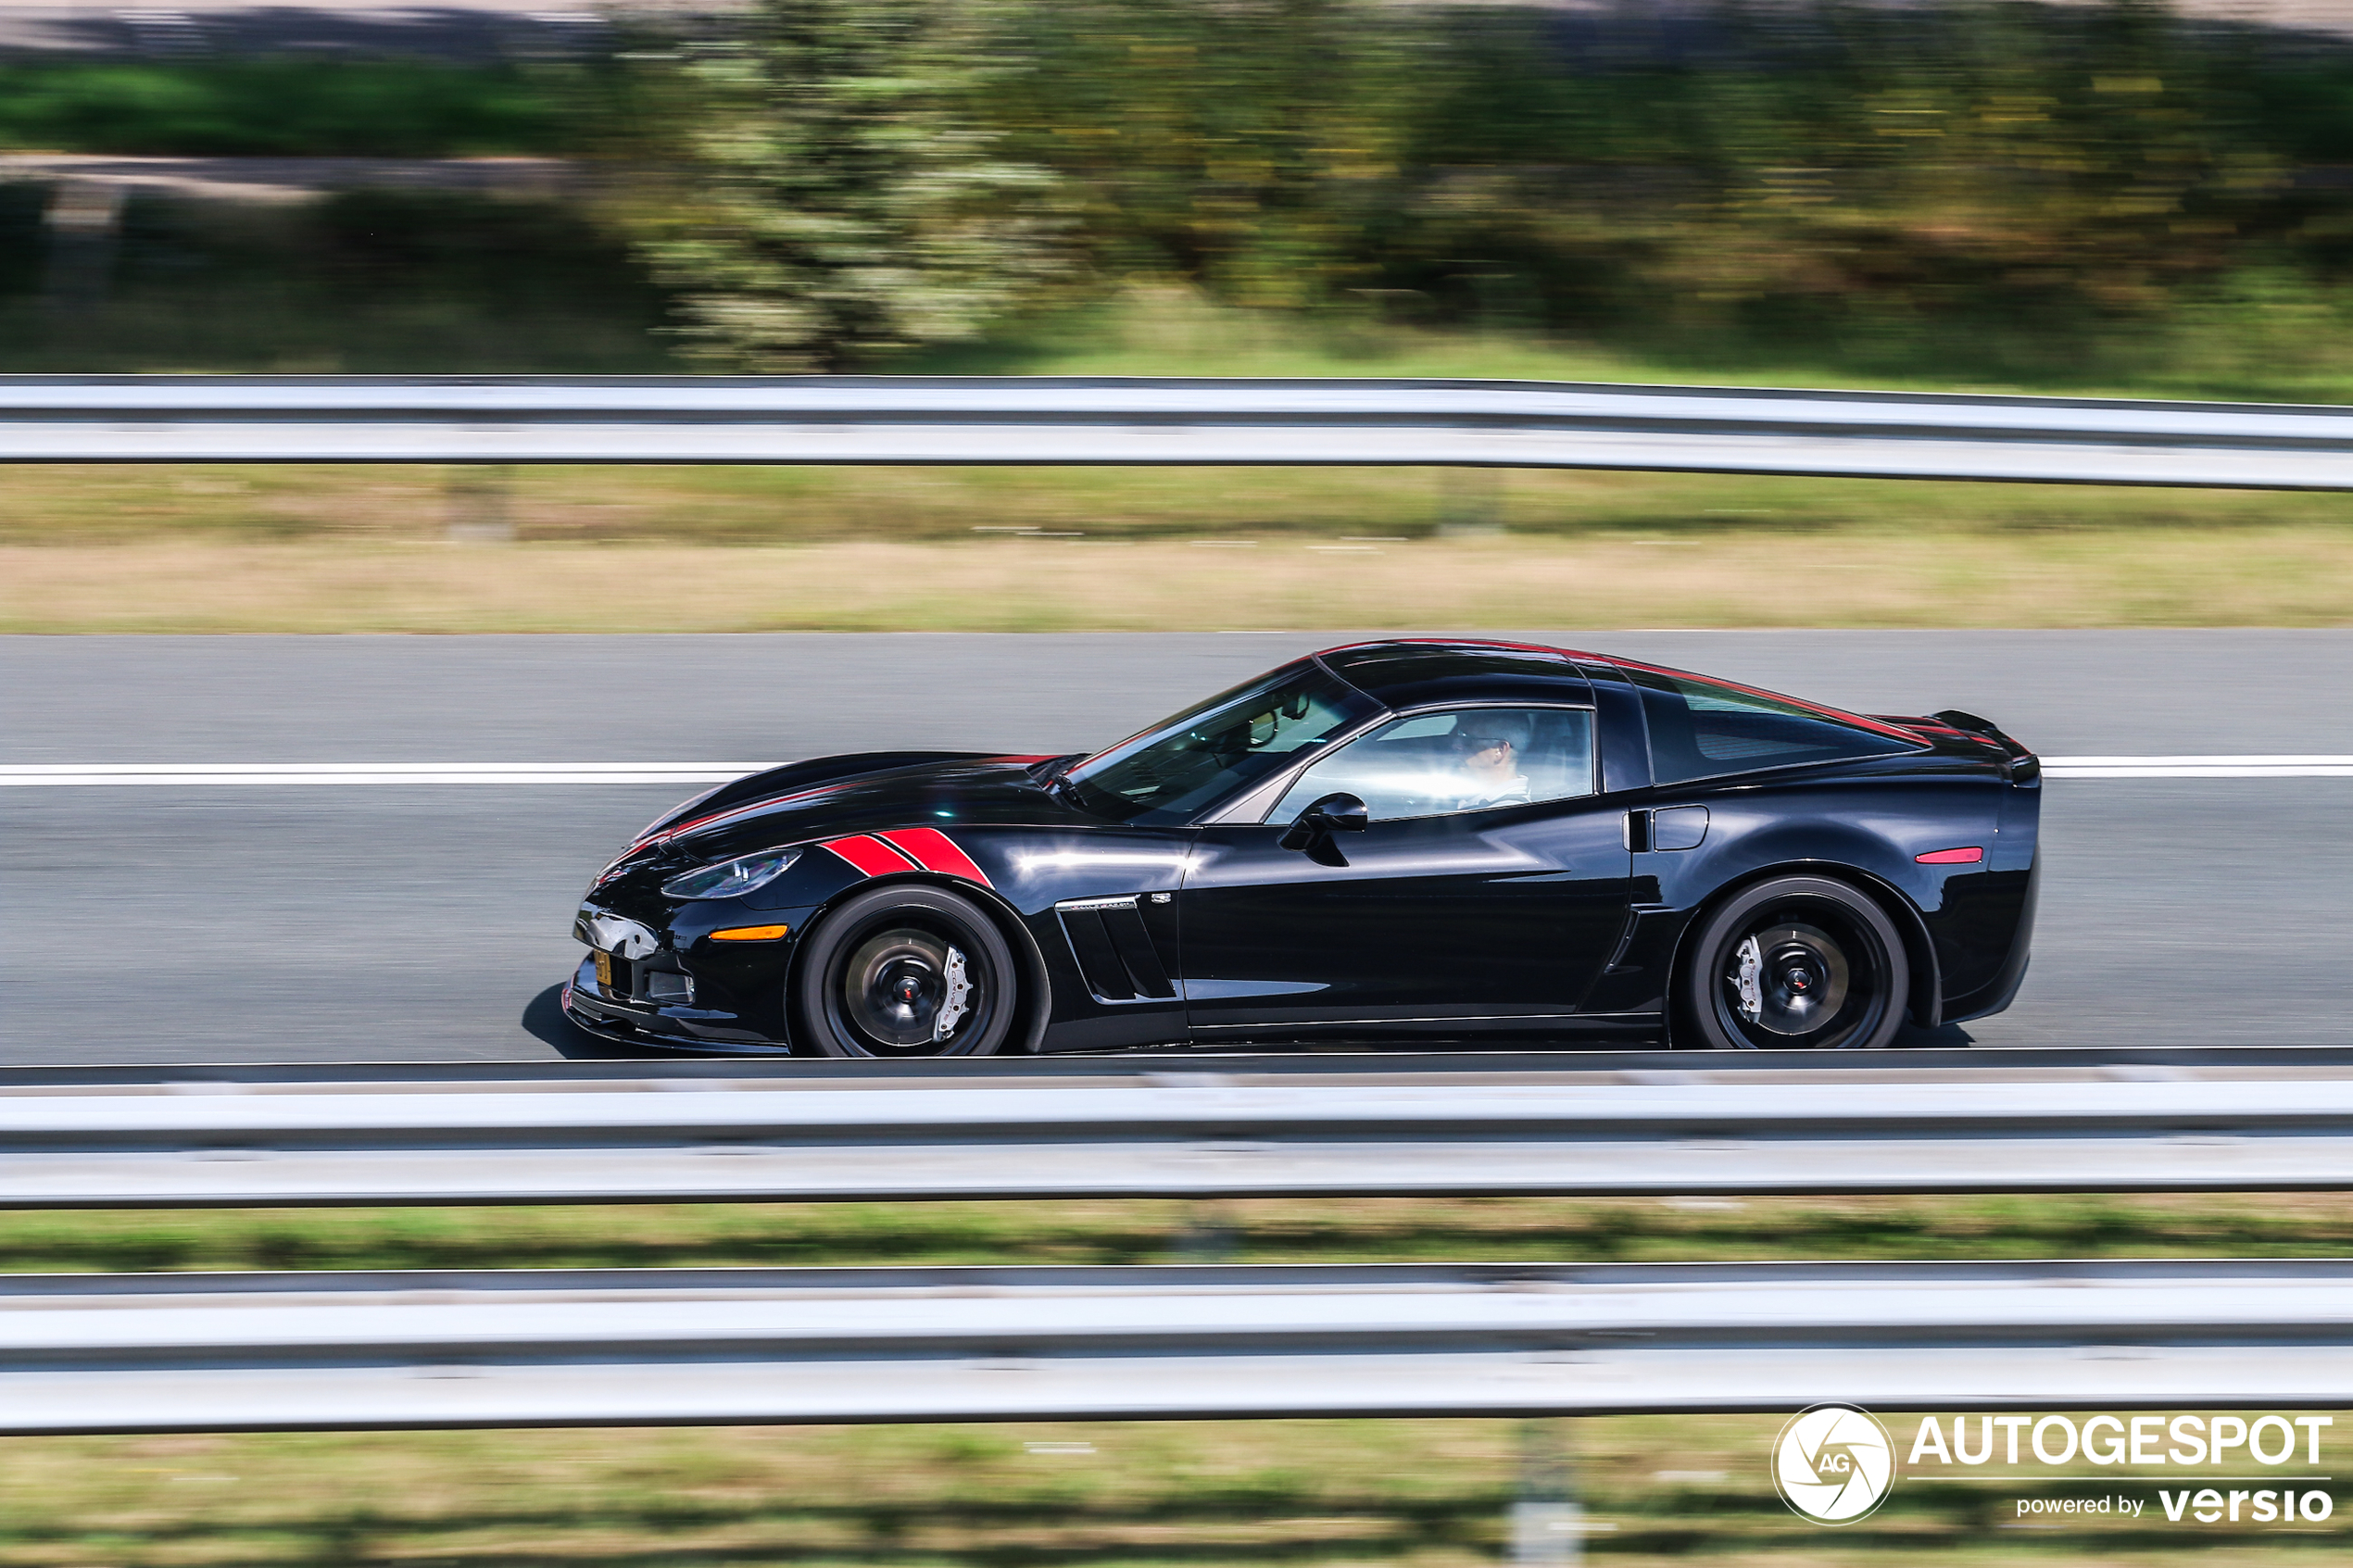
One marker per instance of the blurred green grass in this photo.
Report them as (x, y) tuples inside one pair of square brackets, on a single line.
[(2259, 334), (1138, 1230), (287, 107), (1412, 1494), (753, 506)]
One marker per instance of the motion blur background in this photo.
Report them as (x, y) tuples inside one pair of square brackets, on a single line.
[(2125, 198), (2105, 197)]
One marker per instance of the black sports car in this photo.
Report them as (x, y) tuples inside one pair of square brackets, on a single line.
[(1413, 839)]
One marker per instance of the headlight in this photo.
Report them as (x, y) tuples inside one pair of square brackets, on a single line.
[(730, 877)]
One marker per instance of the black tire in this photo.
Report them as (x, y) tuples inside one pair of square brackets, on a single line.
[(880, 978), (1829, 972)]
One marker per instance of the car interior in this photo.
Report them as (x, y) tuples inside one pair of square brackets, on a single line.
[(1416, 766)]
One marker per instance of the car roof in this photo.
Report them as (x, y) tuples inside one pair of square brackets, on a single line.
[(1402, 672)]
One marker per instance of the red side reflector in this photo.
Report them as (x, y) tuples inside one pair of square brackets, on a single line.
[(1968, 857)]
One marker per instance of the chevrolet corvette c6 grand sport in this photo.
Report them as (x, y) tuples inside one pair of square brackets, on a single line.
[(1448, 841)]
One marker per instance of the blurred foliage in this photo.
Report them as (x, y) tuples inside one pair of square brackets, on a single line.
[(1256, 147), (1849, 161), (834, 195), (286, 107), (1993, 192), (1770, 169), (367, 282)]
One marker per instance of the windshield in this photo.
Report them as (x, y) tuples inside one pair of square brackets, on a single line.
[(1204, 754)]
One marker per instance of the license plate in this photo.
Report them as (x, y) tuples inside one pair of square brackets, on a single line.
[(604, 971)]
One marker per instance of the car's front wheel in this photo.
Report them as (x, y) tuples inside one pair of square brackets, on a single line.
[(1796, 963), (906, 970)]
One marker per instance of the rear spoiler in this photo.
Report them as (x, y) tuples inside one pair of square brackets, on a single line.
[(2024, 766)]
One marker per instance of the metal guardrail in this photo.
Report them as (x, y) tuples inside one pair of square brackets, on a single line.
[(1234, 1067), (219, 1352), (674, 1138), (1139, 420)]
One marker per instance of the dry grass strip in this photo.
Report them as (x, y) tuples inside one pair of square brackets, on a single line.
[(2288, 576)]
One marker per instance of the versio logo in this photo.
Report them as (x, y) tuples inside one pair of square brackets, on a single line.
[(1833, 1463)]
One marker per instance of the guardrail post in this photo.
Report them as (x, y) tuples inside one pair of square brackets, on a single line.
[(1209, 1236), (1548, 1525), (478, 513), (1470, 502)]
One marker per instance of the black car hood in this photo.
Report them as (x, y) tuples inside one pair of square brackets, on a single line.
[(793, 778), (807, 801)]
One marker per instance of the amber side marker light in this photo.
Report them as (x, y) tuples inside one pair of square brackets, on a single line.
[(1968, 857), (749, 934)]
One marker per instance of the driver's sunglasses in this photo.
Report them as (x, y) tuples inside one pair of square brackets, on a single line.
[(1487, 743)]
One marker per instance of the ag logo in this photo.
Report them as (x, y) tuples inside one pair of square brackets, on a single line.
[(1833, 1463)]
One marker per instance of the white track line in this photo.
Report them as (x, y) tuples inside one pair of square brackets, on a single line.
[(2268, 767), (272, 775)]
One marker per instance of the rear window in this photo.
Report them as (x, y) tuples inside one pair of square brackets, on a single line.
[(1703, 729)]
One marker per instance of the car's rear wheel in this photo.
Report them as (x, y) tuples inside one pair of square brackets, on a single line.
[(906, 970), (1796, 963)]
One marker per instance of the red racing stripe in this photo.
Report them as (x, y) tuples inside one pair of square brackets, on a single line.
[(938, 852), (871, 855)]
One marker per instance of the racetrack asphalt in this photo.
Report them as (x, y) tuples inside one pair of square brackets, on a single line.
[(431, 923)]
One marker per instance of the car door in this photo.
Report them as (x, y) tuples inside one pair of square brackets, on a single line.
[(1465, 901)]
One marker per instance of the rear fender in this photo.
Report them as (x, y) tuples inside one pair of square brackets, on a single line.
[(1926, 1004)]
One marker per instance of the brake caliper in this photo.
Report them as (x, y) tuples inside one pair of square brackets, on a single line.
[(958, 997), (1746, 980)]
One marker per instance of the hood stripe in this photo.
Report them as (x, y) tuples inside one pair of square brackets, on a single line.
[(937, 852), (871, 855), (732, 812)]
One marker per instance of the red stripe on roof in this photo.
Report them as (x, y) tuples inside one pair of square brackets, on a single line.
[(1444, 642), (871, 855), (937, 852)]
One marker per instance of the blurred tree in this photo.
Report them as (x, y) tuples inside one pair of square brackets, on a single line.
[(2009, 150), (858, 176), (1821, 162), (831, 192), (1251, 146)]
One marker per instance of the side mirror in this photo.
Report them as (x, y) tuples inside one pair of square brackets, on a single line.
[(1312, 830), (1341, 813)]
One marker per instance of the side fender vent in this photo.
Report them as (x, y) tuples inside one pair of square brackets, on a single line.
[(1115, 950)]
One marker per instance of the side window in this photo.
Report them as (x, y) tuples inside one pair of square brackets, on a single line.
[(1700, 730), (1464, 761)]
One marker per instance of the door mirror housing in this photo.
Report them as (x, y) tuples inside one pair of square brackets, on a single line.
[(1312, 830), (1341, 813)]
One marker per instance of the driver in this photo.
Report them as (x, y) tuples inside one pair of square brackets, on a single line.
[(1488, 748)]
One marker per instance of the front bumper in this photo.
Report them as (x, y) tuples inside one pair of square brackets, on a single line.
[(615, 1014)]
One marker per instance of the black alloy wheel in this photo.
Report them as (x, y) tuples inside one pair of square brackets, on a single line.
[(1796, 963), (905, 971)]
